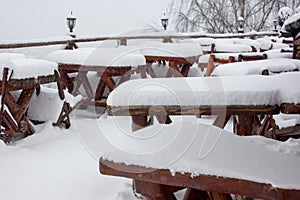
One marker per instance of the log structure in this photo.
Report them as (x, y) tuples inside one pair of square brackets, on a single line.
[(105, 73), (13, 110)]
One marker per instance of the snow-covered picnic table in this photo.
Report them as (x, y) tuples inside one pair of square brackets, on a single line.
[(21, 76), (224, 96), (268, 66), (105, 62), (202, 157), (180, 56), (211, 61)]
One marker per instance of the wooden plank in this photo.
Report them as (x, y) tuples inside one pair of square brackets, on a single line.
[(192, 110), (201, 182)]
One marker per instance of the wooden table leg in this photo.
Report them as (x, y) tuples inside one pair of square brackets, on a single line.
[(221, 120), (173, 70), (109, 82), (245, 125), (150, 70), (66, 80), (185, 70), (192, 194), (153, 191), (86, 84), (140, 121), (100, 89)]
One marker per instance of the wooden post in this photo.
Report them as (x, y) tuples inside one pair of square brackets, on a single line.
[(245, 125), (210, 65)]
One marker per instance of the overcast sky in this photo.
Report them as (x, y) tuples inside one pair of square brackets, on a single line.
[(24, 19)]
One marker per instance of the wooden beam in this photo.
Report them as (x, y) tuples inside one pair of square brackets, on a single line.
[(192, 110)]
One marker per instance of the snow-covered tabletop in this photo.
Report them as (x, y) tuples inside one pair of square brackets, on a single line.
[(203, 91), (181, 50), (112, 57), (26, 67), (201, 149), (257, 67)]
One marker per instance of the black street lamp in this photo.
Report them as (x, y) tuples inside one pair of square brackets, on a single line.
[(241, 23), (71, 22), (164, 21)]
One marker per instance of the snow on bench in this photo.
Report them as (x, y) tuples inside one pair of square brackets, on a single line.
[(109, 57), (257, 67), (205, 157), (26, 67)]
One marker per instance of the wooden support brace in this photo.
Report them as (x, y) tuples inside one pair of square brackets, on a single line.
[(64, 116), (86, 84), (23, 102)]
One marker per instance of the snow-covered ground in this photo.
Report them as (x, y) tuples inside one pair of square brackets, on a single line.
[(59, 163), (54, 164)]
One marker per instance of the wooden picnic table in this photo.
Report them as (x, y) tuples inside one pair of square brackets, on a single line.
[(179, 56), (236, 96), (178, 66), (105, 73), (16, 93), (106, 62)]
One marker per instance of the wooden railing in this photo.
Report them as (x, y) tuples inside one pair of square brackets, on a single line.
[(124, 38)]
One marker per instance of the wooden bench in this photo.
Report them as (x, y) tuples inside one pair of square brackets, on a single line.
[(229, 164)]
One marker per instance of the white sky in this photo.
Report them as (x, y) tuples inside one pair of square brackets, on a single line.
[(24, 19)]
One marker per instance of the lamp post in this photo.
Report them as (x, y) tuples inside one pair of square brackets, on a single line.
[(275, 23), (164, 21), (241, 23), (71, 22)]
